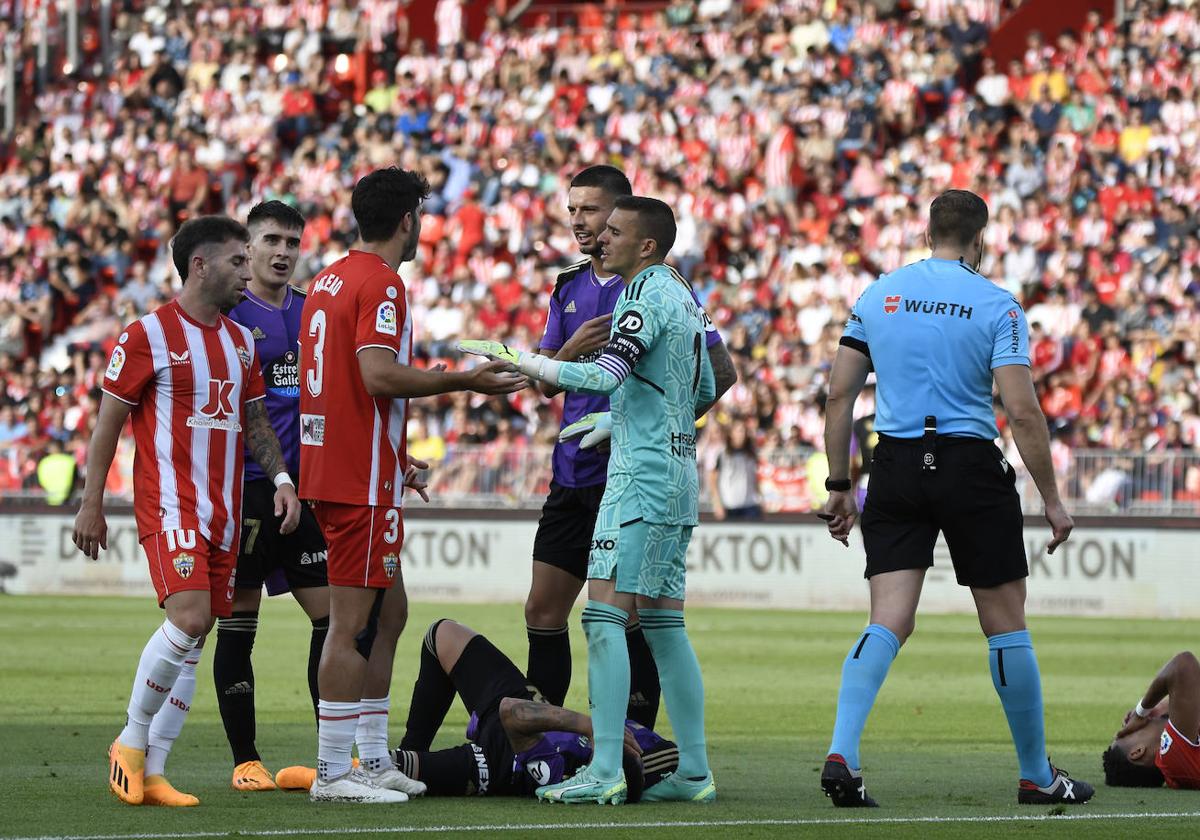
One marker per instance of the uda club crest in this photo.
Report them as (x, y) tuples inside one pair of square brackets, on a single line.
[(891, 303), (390, 563), (184, 565)]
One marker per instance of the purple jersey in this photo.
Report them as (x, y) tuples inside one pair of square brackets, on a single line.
[(276, 333), (578, 297), (557, 755)]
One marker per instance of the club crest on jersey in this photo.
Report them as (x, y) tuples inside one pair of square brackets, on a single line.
[(124, 337), (385, 318), (390, 563), (1165, 743), (891, 303), (116, 364), (569, 308), (184, 564), (245, 355), (257, 334)]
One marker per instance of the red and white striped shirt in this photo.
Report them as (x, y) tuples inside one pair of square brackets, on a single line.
[(189, 384), (353, 447)]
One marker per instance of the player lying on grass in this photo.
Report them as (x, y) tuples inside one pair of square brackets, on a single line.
[(516, 741), (1160, 739)]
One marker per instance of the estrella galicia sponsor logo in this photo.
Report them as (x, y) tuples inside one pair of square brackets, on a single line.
[(683, 445), (937, 307), (312, 429), (604, 545), (891, 303), (283, 376)]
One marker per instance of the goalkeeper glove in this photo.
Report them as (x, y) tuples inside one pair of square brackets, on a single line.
[(595, 429), (493, 350)]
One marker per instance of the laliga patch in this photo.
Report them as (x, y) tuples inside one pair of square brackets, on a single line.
[(390, 563), (1165, 743), (115, 364), (184, 564), (631, 322), (385, 318)]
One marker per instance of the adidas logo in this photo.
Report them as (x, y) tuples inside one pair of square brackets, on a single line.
[(569, 308), (242, 687), (258, 334)]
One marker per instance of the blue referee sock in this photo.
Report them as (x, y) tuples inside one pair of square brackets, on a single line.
[(682, 687), (863, 672), (1019, 684), (608, 685)]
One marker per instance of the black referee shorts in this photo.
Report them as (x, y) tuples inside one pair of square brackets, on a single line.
[(971, 498), (564, 533), (301, 554)]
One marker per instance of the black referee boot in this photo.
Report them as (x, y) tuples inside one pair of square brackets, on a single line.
[(1062, 790), (843, 785)]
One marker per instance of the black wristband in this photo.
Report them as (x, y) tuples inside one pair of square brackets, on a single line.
[(837, 485)]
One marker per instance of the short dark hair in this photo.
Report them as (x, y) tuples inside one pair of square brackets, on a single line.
[(287, 215), (956, 217), (608, 178), (203, 230), (656, 220), (1119, 771), (383, 198)]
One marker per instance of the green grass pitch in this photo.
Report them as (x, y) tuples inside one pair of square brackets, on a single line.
[(936, 750)]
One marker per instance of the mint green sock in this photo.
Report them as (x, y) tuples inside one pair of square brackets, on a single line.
[(608, 685), (682, 686)]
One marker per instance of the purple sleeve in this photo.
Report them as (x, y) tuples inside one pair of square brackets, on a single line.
[(711, 337), (553, 338)]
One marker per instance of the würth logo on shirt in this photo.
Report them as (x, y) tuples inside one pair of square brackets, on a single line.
[(891, 303), (217, 411)]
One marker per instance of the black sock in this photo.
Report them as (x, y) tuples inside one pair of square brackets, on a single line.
[(233, 677), (315, 646), (644, 690), (432, 695), (550, 661)]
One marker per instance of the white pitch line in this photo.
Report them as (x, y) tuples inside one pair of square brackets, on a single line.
[(446, 829)]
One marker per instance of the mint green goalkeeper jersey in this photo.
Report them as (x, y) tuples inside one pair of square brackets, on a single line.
[(657, 371)]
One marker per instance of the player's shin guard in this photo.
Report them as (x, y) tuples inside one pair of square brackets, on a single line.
[(159, 667), (371, 734), (168, 723), (644, 688), (433, 693), (1018, 682), (863, 673), (320, 629), (608, 685), (682, 687), (550, 661), (233, 678)]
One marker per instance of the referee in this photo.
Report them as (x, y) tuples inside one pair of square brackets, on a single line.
[(937, 333)]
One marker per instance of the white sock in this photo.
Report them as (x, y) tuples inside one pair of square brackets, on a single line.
[(161, 661), (168, 723), (336, 723), (371, 736)]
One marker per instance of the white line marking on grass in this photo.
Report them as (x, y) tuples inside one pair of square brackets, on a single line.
[(445, 829)]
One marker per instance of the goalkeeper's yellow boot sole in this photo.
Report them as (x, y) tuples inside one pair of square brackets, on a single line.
[(126, 773), (158, 791)]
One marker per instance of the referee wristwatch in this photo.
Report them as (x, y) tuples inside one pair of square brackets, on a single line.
[(837, 485)]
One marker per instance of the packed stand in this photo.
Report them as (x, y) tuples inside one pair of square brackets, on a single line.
[(799, 142)]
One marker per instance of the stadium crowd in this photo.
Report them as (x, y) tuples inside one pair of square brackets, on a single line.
[(799, 142)]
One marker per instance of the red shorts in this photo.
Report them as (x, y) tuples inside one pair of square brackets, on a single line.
[(364, 543), (183, 561)]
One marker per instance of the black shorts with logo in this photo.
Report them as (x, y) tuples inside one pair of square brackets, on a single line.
[(564, 534), (300, 555), (971, 498)]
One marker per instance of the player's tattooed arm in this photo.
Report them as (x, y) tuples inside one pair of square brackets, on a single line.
[(525, 720), (261, 440), (724, 373)]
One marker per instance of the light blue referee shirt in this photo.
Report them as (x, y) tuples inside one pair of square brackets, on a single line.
[(935, 330)]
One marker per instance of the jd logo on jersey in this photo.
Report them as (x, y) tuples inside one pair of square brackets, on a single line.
[(631, 322), (891, 303)]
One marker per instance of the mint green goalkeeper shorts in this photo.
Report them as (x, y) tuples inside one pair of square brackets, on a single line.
[(645, 558)]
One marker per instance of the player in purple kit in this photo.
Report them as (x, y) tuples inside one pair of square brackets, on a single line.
[(296, 562), (577, 328), (519, 743)]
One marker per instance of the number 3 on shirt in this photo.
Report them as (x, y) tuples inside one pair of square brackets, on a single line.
[(316, 374), (393, 526)]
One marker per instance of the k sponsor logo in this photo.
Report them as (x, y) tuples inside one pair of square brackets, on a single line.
[(217, 411), (385, 318), (891, 303)]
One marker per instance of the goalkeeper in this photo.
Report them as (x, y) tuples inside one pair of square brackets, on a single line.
[(658, 373)]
